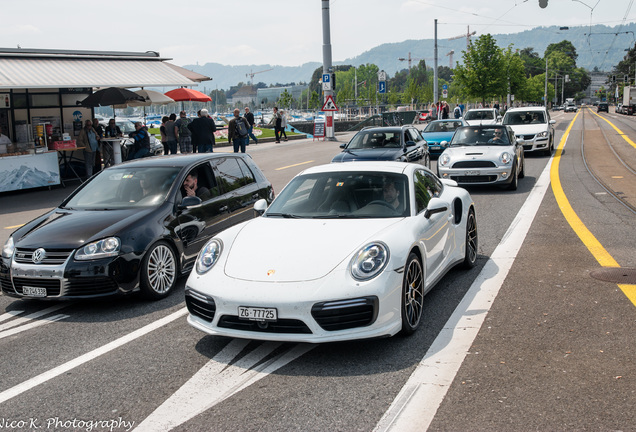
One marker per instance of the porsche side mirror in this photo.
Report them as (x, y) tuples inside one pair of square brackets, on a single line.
[(435, 205), (259, 207), (342, 146)]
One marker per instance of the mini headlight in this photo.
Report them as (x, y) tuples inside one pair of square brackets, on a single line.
[(8, 248), (444, 160), (209, 255), (505, 158), (100, 249), (369, 261)]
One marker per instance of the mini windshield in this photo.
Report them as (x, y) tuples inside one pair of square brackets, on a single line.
[(444, 126), (524, 118), (479, 115), (125, 188), (376, 139), (480, 136), (350, 195)]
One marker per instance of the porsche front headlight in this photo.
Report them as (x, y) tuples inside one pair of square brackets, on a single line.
[(209, 255), (444, 160), (369, 261), (505, 158), (8, 248), (100, 249)]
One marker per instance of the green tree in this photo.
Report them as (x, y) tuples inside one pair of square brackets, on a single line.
[(480, 74), (285, 99)]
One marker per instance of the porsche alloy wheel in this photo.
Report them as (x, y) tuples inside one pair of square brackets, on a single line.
[(470, 256), (412, 295), (159, 271)]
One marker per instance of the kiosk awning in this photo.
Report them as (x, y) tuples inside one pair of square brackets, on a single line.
[(34, 73)]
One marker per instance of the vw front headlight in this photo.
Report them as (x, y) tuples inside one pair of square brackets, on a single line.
[(100, 249), (209, 255), (8, 248), (543, 134), (369, 261), (505, 158)]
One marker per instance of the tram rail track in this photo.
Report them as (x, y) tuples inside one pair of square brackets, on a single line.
[(618, 180)]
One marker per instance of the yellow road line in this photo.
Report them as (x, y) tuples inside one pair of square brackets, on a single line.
[(295, 165), (13, 227), (593, 245), (620, 132)]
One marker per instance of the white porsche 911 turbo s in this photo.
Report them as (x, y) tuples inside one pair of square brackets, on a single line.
[(346, 251)]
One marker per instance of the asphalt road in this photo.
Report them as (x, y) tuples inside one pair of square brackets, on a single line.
[(555, 350)]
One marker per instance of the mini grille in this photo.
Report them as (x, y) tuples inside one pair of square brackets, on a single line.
[(474, 164), (53, 257), (475, 179), (345, 314)]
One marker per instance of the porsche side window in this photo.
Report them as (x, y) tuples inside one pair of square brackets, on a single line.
[(426, 186)]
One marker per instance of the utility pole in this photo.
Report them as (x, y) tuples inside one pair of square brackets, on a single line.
[(435, 87), (545, 93), (326, 66)]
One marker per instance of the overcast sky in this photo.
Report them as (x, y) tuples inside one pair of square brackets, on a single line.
[(277, 32)]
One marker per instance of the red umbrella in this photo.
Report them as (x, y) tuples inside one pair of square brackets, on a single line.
[(186, 94)]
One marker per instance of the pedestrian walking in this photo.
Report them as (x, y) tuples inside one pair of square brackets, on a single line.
[(203, 128), (283, 124), (88, 140), (237, 132), (184, 135), (250, 119), (276, 121)]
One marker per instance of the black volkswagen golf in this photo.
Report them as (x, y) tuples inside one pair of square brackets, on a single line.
[(132, 227)]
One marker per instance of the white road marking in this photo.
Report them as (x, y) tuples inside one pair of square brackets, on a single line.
[(217, 381), (415, 406), (32, 325), (10, 314), (32, 316), (55, 372)]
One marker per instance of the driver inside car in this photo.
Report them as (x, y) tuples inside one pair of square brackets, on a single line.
[(391, 194)]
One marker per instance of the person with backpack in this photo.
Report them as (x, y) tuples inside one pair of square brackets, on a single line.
[(184, 136), (237, 132), (250, 119), (457, 112)]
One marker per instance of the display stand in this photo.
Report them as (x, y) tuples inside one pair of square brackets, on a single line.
[(319, 130)]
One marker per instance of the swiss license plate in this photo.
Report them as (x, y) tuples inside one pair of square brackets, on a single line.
[(471, 173), (257, 313), (34, 291)]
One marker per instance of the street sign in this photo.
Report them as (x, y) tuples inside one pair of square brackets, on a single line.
[(445, 86), (326, 81), (382, 87), (330, 104), (381, 76), (445, 93)]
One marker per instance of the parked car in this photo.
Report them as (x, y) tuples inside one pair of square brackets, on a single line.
[(131, 227), (438, 131), (482, 116), (533, 127), (618, 108), (602, 106), (483, 155), (346, 251), (391, 143)]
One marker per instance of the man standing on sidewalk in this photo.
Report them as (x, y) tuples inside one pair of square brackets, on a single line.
[(250, 119), (184, 135), (237, 132)]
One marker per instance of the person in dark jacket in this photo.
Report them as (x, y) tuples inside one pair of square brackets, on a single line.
[(203, 129), (250, 119), (141, 143)]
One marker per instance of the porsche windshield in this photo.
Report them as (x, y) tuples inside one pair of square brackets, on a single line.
[(351, 195), (125, 188), (480, 136)]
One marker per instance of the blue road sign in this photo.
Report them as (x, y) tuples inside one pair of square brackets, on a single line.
[(382, 87), (445, 86)]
